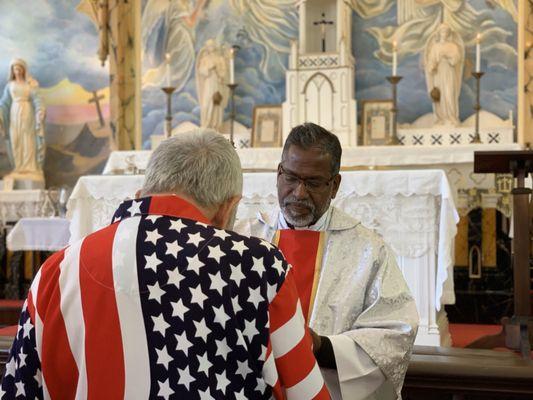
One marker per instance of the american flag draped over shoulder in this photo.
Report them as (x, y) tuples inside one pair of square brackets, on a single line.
[(162, 305)]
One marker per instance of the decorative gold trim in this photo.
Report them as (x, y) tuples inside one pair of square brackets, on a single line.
[(275, 239), (316, 277)]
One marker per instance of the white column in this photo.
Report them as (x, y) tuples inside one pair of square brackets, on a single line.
[(303, 21)]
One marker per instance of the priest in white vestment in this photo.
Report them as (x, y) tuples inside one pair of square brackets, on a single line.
[(354, 297)]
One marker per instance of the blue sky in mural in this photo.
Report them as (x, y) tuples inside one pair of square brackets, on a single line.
[(56, 40), (267, 85)]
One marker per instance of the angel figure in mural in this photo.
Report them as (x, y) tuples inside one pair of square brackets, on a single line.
[(169, 28), (22, 114), (417, 19), (212, 75), (443, 63)]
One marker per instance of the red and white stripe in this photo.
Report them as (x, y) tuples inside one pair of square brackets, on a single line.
[(91, 346), (37, 323), (134, 341), (72, 311), (290, 367)]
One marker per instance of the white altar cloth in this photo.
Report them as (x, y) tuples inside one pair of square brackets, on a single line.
[(352, 157), (39, 234), (413, 210), (17, 204)]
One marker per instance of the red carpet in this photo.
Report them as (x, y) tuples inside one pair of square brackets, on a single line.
[(10, 312), (11, 304), (9, 331), (464, 334)]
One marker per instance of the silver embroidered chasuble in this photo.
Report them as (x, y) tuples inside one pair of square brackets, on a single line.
[(362, 304)]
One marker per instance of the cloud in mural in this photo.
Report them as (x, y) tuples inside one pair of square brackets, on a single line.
[(65, 49)]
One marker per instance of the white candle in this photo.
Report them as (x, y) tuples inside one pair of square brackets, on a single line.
[(394, 58), (478, 53), (232, 67), (167, 67)]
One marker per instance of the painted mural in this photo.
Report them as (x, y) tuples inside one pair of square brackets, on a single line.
[(263, 29), (411, 23), (59, 44)]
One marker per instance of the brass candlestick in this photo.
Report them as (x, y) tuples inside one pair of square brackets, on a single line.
[(394, 80), (232, 114), (477, 106), (168, 118)]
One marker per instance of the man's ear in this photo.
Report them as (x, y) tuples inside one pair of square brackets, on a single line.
[(336, 182), (138, 194), (225, 212)]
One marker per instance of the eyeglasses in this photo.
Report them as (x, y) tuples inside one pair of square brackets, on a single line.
[(312, 185)]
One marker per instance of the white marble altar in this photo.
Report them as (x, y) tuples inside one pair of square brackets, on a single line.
[(457, 161), (368, 157), (413, 210)]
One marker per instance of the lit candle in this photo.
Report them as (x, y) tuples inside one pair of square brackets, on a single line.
[(394, 58), (167, 67), (232, 66), (478, 52)]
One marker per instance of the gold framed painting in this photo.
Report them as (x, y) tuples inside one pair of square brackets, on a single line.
[(267, 126), (377, 122)]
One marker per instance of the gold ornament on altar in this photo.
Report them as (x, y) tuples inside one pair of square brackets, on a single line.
[(504, 183)]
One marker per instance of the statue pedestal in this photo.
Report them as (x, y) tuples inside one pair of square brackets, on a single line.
[(24, 181)]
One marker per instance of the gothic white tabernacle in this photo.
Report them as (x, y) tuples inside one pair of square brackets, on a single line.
[(321, 76)]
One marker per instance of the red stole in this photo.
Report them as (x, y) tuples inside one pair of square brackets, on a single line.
[(303, 249)]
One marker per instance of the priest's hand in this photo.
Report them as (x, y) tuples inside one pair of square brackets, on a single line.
[(323, 350), (317, 341)]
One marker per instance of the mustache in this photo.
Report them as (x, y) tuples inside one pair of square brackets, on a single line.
[(290, 200)]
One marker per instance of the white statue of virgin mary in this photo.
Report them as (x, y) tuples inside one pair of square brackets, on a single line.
[(444, 58), (22, 123)]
